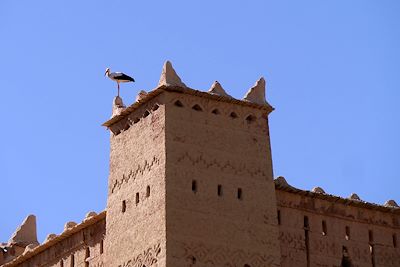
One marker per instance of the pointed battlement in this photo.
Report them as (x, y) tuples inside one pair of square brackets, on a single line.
[(25, 233), (169, 76), (217, 89), (256, 94), (23, 239)]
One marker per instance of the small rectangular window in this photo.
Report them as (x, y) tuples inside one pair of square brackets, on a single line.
[(306, 223), (240, 194), (324, 228), (137, 198), (279, 217), (370, 236), (72, 263), (347, 233), (123, 206), (148, 191), (194, 186), (394, 238), (101, 247), (219, 190)]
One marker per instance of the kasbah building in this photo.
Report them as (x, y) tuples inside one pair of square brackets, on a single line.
[(191, 184)]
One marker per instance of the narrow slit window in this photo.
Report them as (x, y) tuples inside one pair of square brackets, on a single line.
[(148, 191), (178, 103), (155, 107), (219, 190), (394, 239), (324, 228), (123, 206), (61, 263), (194, 186), (240, 194), (197, 108), (101, 247), (279, 217), (370, 236), (306, 223), (72, 261), (347, 233), (137, 198), (87, 256)]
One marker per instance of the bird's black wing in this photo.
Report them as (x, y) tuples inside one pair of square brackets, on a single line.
[(123, 77)]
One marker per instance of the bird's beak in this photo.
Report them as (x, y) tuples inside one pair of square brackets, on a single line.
[(105, 73)]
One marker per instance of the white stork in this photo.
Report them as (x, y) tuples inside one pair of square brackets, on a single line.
[(119, 77)]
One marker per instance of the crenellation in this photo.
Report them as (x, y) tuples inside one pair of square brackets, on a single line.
[(138, 116), (191, 184), (354, 196), (391, 203), (256, 94), (169, 76), (49, 237), (118, 106), (217, 89), (69, 225), (90, 215), (141, 95), (318, 190)]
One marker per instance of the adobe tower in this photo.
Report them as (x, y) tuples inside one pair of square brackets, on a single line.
[(191, 180)]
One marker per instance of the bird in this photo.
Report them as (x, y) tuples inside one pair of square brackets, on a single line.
[(119, 77)]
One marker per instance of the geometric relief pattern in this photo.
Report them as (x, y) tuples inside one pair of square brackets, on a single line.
[(239, 169), (222, 256), (293, 249), (386, 256), (292, 240), (147, 258), (326, 247), (133, 173), (358, 252)]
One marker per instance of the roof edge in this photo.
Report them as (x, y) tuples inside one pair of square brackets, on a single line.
[(85, 223), (337, 199), (185, 90)]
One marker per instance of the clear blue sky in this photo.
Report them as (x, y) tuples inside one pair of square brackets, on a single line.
[(332, 71)]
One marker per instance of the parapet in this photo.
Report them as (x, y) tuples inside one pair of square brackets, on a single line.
[(353, 200), (170, 81), (24, 238), (34, 248)]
